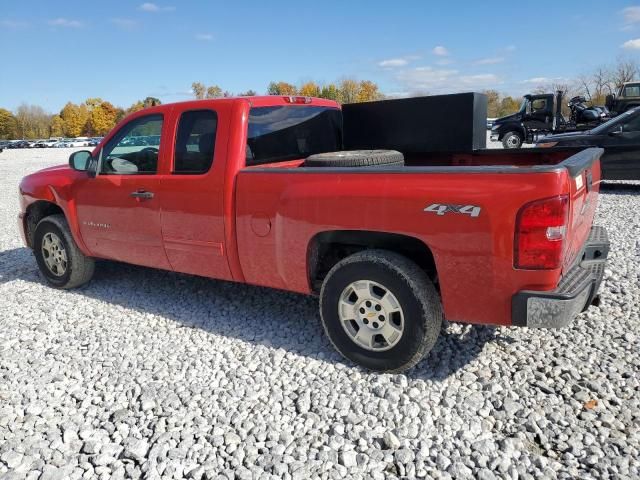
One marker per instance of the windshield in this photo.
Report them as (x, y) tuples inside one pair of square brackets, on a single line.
[(619, 120), (277, 134)]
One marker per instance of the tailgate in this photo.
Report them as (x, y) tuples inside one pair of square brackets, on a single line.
[(584, 187)]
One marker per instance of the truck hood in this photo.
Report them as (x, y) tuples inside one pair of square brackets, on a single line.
[(44, 183), (514, 117)]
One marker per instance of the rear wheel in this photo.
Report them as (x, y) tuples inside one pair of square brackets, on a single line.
[(512, 140), (61, 262), (380, 310)]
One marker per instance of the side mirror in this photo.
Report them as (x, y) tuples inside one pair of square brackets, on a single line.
[(617, 131), (80, 160)]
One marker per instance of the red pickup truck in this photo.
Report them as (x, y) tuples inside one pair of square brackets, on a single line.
[(256, 190)]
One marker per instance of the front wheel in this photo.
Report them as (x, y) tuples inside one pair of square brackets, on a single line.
[(380, 310), (512, 140), (61, 262)]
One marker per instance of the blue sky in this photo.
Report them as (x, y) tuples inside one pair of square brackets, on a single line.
[(126, 50)]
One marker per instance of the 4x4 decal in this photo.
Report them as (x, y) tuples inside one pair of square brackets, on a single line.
[(442, 208)]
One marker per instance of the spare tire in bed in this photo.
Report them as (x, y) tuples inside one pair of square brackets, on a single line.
[(356, 158)]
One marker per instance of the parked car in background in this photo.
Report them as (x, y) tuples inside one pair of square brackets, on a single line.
[(620, 138), (19, 144), (490, 122), (61, 143), (93, 142), (77, 142)]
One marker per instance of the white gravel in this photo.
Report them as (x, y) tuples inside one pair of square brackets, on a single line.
[(150, 374)]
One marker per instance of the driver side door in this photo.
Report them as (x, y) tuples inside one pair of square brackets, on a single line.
[(119, 209), (621, 159)]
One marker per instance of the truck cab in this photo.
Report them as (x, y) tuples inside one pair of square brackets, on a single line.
[(536, 114), (627, 97)]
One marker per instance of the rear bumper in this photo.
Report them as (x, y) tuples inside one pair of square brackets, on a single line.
[(575, 293)]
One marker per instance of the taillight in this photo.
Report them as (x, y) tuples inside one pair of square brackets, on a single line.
[(295, 99), (541, 228)]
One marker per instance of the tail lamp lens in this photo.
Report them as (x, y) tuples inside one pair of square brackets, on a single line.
[(541, 228)]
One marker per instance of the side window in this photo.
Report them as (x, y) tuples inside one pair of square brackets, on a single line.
[(134, 148), (632, 91), (195, 142), (632, 125), (539, 105)]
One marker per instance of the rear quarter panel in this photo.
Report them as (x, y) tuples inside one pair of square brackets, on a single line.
[(280, 211)]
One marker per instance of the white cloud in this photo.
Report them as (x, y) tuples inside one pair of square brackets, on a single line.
[(124, 23), (538, 80), (444, 61), (631, 44), (66, 23), (153, 7), (443, 80), (440, 51), (631, 15), (13, 24), (489, 61), (393, 62), (205, 37)]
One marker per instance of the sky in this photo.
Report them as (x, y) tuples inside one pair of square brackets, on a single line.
[(122, 51)]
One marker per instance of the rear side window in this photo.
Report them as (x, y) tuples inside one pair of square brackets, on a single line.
[(277, 134), (195, 142)]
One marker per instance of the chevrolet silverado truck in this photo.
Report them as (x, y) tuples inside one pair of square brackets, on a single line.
[(257, 190)]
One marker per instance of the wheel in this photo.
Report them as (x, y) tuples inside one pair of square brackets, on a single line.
[(59, 259), (356, 158), (512, 140), (380, 310)]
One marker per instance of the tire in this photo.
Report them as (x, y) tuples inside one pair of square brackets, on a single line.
[(78, 268), (356, 158), (512, 140), (420, 310)]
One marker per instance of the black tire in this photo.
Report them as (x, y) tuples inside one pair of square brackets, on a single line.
[(418, 299), (79, 268), (512, 140), (356, 158)]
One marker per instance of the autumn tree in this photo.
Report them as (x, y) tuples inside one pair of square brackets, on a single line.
[(281, 88), (493, 103), (214, 91), (7, 124), (137, 106), (508, 105), (368, 92), (32, 121), (151, 102), (349, 89), (625, 70), (199, 90), (56, 128), (102, 116), (309, 89), (74, 118), (248, 93)]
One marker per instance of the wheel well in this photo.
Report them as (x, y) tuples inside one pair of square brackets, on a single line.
[(36, 212), (328, 248)]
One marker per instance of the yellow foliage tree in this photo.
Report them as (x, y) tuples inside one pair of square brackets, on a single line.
[(368, 92), (348, 91), (102, 118), (282, 88), (57, 126), (310, 89), (74, 118)]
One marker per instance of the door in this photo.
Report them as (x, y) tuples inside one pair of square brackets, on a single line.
[(119, 209), (541, 113), (621, 159), (192, 205)]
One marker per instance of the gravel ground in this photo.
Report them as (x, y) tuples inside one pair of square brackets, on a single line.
[(150, 374)]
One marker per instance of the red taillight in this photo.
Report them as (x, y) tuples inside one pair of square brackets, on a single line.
[(541, 227), (300, 100)]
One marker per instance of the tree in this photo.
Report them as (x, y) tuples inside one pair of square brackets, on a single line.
[(214, 91), (349, 89), (248, 93), (493, 103), (75, 119), (309, 89), (199, 90), (625, 70), (368, 92), (57, 126), (151, 102), (508, 105), (330, 92), (102, 118), (139, 105), (7, 124), (32, 121), (282, 88)]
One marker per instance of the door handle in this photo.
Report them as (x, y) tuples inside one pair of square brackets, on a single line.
[(141, 194)]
